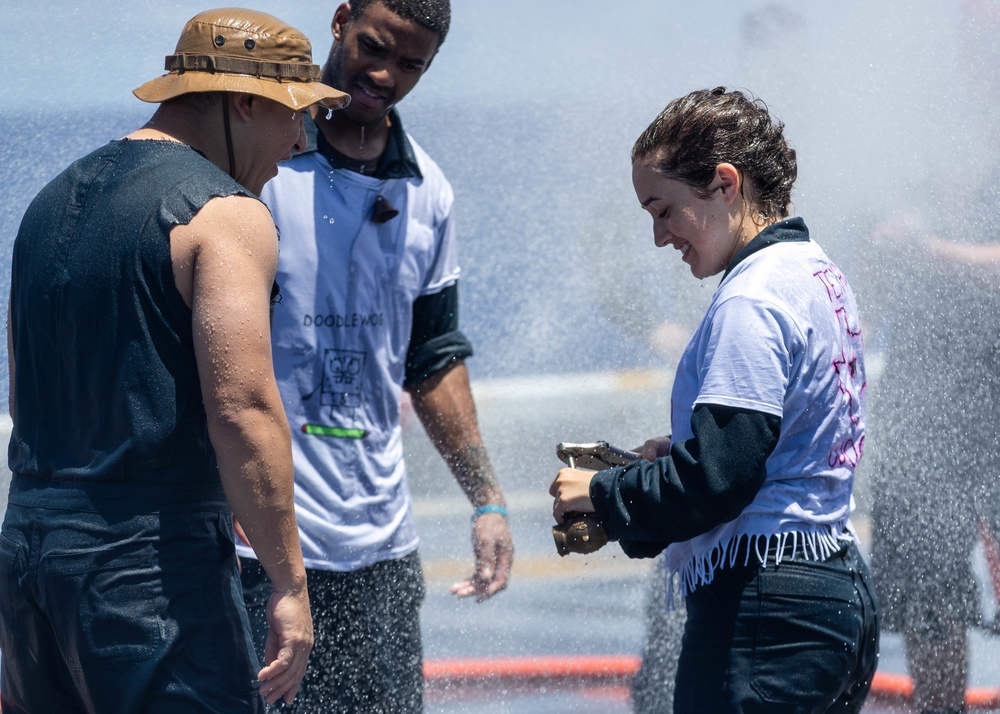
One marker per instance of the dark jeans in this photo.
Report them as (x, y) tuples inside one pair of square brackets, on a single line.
[(121, 612), (368, 654), (798, 637)]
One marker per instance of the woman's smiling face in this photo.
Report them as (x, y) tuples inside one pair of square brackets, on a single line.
[(700, 228)]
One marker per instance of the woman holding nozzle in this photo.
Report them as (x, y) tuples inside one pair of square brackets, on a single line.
[(750, 497)]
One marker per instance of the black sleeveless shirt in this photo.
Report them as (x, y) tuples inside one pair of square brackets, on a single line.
[(106, 386)]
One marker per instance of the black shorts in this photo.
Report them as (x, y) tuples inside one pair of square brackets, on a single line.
[(368, 654)]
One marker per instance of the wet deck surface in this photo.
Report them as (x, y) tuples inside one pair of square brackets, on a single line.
[(579, 605), (554, 607)]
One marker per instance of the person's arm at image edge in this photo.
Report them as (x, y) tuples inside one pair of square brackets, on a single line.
[(228, 258), (10, 366)]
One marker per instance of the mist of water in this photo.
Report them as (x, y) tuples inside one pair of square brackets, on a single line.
[(531, 109), (878, 99)]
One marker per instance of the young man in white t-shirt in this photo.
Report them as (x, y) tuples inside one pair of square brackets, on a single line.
[(369, 302)]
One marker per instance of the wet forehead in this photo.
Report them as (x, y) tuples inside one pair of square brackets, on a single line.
[(405, 38), (649, 184)]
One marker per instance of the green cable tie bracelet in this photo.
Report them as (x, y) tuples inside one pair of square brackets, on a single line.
[(489, 508)]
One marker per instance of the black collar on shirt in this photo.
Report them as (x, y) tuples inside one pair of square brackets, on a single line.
[(790, 230), (397, 161)]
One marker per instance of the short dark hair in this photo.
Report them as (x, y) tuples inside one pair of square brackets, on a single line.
[(199, 102), (708, 127), (435, 15)]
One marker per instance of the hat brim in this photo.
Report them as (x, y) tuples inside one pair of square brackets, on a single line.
[(293, 94)]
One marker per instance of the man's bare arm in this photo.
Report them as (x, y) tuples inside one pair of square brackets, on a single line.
[(447, 410), (985, 255), (224, 266)]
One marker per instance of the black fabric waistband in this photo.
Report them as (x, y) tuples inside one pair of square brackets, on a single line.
[(117, 496)]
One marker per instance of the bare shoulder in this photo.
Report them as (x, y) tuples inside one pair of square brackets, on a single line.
[(229, 218), (231, 233)]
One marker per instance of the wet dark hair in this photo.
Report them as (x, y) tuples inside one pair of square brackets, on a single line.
[(435, 15), (708, 127)]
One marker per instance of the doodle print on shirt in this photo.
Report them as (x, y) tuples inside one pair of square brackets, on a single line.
[(341, 387)]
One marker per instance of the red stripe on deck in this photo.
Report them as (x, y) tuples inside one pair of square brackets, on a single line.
[(591, 671)]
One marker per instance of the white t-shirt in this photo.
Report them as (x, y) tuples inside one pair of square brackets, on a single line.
[(781, 336), (340, 338)]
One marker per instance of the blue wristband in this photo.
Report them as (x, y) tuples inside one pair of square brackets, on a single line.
[(489, 508)]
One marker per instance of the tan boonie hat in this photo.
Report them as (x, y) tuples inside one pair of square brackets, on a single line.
[(236, 50)]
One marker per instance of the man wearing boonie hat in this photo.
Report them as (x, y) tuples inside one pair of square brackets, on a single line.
[(369, 276), (145, 410)]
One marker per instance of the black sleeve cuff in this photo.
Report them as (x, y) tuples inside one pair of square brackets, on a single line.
[(434, 355), (704, 481), (601, 487), (435, 340)]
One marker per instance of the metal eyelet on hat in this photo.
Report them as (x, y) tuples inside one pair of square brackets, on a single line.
[(249, 43), (220, 40)]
